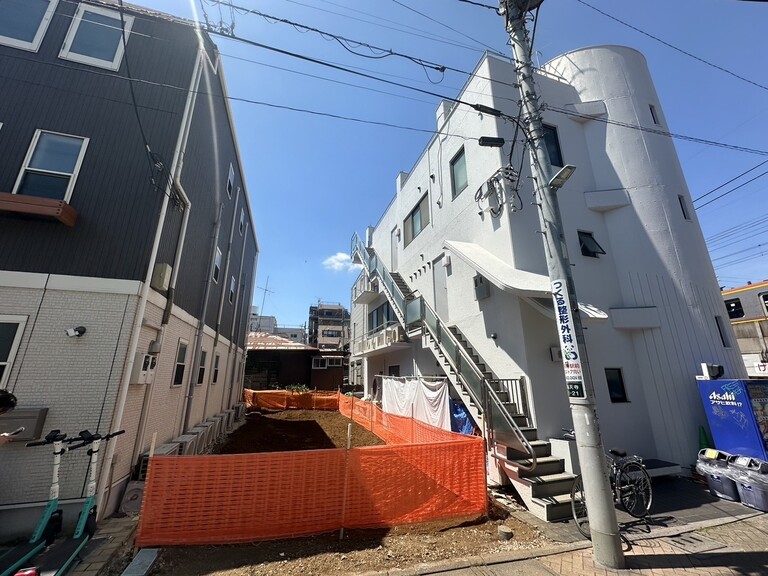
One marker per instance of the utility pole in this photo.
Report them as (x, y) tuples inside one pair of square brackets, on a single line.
[(602, 514)]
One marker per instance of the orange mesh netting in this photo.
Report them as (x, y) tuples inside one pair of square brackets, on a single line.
[(285, 400), (423, 474)]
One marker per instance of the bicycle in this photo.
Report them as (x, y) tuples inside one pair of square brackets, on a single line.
[(630, 485)]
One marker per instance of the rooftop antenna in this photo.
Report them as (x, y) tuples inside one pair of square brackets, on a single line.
[(264, 297)]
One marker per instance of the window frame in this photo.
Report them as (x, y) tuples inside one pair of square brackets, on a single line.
[(461, 154), (612, 394), (654, 114), (31, 151), (319, 363), (591, 252), (183, 364), (201, 368), (549, 129), (721, 329), (230, 180), (335, 363), (21, 323), (684, 207), (216, 266), (736, 309), (242, 220), (66, 48), (42, 28), (216, 363), (422, 208), (232, 286)]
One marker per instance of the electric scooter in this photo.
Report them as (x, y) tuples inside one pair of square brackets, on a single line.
[(50, 522), (58, 559)]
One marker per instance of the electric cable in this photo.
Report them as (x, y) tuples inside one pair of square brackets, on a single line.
[(491, 48), (690, 55), (494, 8), (731, 180), (708, 202)]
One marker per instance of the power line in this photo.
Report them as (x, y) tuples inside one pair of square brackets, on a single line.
[(731, 190), (494, 8), (655, 130), (446, 26), (702, 60), (731, 180), (347, 44)]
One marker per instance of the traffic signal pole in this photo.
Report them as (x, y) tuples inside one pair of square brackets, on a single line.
[(603, 526)]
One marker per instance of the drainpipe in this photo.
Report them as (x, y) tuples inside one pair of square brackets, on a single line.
[(223, 294), (156, 346), (201, 321), (133, 344), (236, 317)]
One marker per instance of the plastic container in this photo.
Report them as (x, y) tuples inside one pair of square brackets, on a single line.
[(752, 482), (714, 466)]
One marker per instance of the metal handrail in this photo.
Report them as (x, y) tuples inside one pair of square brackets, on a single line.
[(487, 389)]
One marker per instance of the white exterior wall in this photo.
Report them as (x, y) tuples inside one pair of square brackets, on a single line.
[(654, 257), (78, 380)]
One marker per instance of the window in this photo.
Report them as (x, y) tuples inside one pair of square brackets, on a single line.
[(11, 329), (734, 308), (615, 380), (458, 173), (683, 206), (181, 363), (721, 330), (232, 290), (763, 296), (242, 220), (23, 22), (331, 333), (380, 316), (216, 360), (201, 370), (552, 142), (95, 37), (230, 180), (217, 266), (334, 362), (589, 246), (51, 166), (319, 363), (417, 220), (653, 114)]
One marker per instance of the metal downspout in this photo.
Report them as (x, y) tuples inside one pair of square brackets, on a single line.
[(235, 316), (117, 418)]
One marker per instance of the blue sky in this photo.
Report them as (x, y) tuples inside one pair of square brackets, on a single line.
[(315, 180)]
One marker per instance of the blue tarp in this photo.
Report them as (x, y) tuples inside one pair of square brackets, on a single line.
[(461, 421)]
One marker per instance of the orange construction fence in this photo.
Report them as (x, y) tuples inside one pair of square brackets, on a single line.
[(423, 474), (287, 400)]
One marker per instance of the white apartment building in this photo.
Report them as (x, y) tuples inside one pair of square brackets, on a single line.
[(457, 257)]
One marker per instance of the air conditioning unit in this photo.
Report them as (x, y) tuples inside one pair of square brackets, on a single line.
[(204, 433), (132, 498), (230, 421), (239, 411), (395, 334), (223, 418), (169, 449), (187, 444), (218, 426)]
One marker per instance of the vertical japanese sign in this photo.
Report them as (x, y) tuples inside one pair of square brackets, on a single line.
[(568, 346)]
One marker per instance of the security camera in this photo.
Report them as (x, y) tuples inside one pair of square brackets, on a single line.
[(79, 331)]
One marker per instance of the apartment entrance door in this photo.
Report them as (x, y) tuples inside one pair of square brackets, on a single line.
[(394, 250), (440, 285)]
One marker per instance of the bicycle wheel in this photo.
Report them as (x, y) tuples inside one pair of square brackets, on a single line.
[(633, 486), (579, 507)]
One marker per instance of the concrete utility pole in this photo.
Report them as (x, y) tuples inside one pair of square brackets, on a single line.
[(602, 514)]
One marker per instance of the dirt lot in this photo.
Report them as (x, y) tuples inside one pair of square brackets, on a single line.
[(360, 550)]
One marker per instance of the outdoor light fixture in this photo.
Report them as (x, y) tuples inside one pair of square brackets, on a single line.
[(75, 332), (559, 179), (490, 141)]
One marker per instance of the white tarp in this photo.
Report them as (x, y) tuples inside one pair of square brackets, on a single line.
[(425, 400)]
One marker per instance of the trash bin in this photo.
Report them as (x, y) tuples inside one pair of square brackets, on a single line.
[(752, 481), (714, 466)]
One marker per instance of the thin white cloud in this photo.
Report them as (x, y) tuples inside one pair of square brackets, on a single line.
[(340, 262)]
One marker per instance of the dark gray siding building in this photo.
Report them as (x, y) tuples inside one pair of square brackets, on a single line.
[(123, 210)]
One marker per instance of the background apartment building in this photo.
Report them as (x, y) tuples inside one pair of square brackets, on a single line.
[(328, 326)]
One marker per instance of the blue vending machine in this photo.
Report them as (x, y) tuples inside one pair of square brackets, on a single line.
[(737, 411)]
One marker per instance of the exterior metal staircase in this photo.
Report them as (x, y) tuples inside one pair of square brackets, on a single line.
[(498, 406)]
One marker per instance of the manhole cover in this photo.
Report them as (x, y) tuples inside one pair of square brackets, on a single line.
[(694, 543)]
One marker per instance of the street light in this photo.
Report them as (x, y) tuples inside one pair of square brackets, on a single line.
[(490, 141), (559, 179)]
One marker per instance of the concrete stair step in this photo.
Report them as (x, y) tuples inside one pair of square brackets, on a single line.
[(552, 508), (551, 485), (544, 466), (541, 448)]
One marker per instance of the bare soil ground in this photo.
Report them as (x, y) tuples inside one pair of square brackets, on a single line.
[(359, 550)]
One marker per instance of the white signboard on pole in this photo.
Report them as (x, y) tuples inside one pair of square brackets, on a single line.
[(568, 345)]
